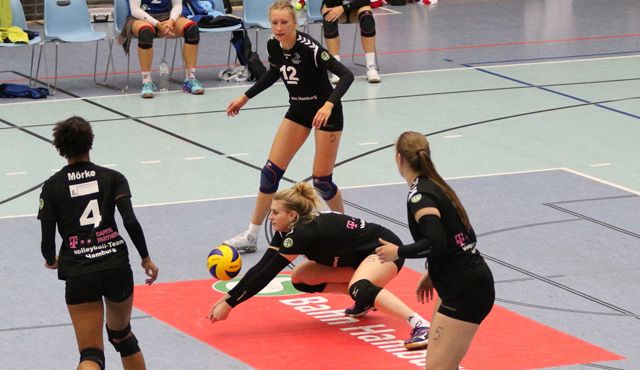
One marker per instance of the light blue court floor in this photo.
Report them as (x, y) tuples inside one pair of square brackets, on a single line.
[(535, 123)]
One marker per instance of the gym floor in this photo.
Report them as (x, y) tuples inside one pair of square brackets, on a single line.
[(532, 109)]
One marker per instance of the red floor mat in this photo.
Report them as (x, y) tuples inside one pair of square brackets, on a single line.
[(306, 331)]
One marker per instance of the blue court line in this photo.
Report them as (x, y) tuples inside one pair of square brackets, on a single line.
[(555, 57), (547, 90)]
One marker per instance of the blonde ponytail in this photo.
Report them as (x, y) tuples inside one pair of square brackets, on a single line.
[(302, 199)]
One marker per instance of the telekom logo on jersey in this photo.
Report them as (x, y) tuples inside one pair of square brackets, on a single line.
[(353, 224)]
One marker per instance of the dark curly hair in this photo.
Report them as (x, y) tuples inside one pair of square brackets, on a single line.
[(73, 137)]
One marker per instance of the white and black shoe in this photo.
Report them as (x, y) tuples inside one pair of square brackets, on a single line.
[(243, 242), (372, 76)]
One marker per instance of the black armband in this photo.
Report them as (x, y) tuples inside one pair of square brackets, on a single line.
[(258, 277), (433, 241), (48, 243), (131, 224)]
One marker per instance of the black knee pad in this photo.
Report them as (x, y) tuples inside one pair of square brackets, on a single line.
[(332, 3), (325, 186), (191, 33), (145, 38), (319, 288), (93, 354), (364, 293), (367, 24), (330, 29), (126, 347), (270, 178)]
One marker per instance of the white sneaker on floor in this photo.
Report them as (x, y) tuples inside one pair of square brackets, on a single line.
[(373, 76), (243, 242), (333, 78)]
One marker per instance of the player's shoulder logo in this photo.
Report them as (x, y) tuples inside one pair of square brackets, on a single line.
[(287, 243), (325, 56), (415, 198), (41, 203)]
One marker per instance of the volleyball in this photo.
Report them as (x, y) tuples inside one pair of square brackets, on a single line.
[(224, 262)]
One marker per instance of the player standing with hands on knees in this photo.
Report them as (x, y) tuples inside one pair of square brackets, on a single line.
[(443, 234), (302, 64), (81, 199)]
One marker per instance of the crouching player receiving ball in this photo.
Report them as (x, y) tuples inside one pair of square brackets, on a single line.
[(340, 252)]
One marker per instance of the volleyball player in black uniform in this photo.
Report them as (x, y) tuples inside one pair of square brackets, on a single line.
[(443, 234), (340, 259), (81, 199), (302, 64)]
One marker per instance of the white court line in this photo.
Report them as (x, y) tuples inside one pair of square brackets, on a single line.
[(236, 155), (361, 77), (387, 10), (369, 143), (109, 165), (614, 185), (379, 185), (600, 165), (452, 136), (509, 65), (15, 173), (151, 162), (193, 158)]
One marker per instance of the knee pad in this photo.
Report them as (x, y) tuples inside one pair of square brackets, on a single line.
[(191, 33), (145, 37), (367, 24), (319, 288), (270, 178), (332, 3), (93, 354), (364, 293), (325, 186), (126, 347), (330, 29)]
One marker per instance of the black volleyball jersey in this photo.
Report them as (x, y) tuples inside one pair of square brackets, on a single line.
[(80, 198), (303, 69), (332, 239), (460, 251)]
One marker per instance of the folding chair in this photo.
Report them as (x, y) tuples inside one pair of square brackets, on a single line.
[(255, 15), (314, 15), (218, 5), (120, 14), (66, 21), (18, 20)]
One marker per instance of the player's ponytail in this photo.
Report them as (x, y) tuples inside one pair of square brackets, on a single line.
[(413, 147), (302, 199)]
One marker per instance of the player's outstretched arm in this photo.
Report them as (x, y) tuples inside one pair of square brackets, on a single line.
[(251, 284)]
